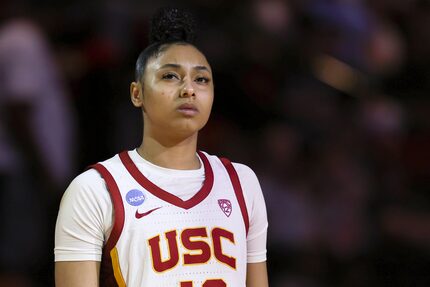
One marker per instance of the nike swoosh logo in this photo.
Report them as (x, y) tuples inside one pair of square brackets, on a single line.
[(140, 215)]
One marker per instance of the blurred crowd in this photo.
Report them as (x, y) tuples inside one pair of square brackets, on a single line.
[(327, 100)]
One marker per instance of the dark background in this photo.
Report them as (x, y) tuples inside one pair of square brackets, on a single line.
[(328, 102)]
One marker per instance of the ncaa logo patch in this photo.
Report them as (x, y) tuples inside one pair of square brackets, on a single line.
[(225, 205), (135, 197)]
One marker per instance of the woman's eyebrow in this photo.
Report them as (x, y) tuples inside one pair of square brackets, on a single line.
[(201, 68), (176, 66)]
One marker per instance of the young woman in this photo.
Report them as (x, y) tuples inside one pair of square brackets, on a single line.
[(165, 214)]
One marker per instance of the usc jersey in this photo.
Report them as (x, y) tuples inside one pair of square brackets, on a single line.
[(160, 239)]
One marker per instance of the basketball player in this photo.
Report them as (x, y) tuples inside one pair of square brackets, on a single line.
[(165, 214)]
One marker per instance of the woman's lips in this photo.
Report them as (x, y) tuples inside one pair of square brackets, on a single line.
[(188, 109)]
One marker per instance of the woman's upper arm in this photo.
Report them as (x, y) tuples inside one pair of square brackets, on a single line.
[(85, 213), (256, 275), (84, 218), (77, 273)]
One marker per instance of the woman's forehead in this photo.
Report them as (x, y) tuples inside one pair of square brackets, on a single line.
[(180, 54)]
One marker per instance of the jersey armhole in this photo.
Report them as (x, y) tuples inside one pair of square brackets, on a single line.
[(118, 207), (237, 190)]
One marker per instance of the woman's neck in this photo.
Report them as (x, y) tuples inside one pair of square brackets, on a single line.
[(178, 155)]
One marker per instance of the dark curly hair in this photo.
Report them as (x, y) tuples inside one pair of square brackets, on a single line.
[(168, 26)]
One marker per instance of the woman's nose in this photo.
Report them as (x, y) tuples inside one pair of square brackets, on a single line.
[(187, 90)]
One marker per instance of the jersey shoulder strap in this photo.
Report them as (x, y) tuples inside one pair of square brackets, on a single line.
[(110, 273), (237, 190), (118, 206)]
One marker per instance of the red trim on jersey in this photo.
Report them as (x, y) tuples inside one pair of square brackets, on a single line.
[(117, 205), (237, 190), (164, 195), (107, 277)]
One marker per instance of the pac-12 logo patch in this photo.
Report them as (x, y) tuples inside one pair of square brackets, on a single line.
[(135, 197), (225, 205)]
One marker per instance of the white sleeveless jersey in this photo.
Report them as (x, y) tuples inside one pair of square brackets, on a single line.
[(159, 239)]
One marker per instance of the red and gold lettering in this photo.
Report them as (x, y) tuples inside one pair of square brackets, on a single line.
[(200, 245), (217, 234), (214, 283), (200, 250), (157, 261), (208, 283)]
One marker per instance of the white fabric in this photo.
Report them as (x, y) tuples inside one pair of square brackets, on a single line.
[(85, 217)]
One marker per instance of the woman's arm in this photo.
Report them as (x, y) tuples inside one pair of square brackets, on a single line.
[(77, 273), (256, 275), (85, 213)]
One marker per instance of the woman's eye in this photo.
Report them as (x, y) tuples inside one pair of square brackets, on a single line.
[(202, 80), (170, 76)]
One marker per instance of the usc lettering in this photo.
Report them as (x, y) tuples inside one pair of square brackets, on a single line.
[(217, 235), (201, 246), (192, 240), (154, 243), (208, 283)]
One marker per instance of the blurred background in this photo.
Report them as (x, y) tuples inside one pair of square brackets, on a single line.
[(327, 100)]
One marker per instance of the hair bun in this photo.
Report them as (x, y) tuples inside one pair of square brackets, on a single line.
[(172, 24)]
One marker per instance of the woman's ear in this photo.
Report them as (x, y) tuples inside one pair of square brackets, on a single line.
[(136, 94)]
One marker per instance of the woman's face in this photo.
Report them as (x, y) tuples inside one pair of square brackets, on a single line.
[(177, 92)]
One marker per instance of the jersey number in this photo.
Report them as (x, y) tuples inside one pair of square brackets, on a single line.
[(208, 283)]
